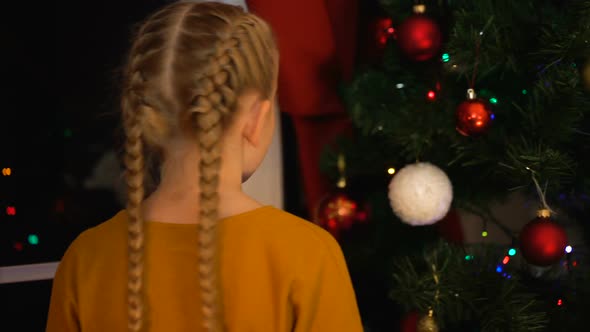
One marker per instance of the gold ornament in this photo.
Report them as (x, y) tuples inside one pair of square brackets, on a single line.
[(427, 323), (544, 213), (586, 74)]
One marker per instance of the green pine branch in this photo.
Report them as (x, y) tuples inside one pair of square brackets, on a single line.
[(529, 58), (528, 63), (466, 287)]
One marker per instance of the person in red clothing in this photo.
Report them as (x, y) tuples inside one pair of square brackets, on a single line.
[(317, 41)]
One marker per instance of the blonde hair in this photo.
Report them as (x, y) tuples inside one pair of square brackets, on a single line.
[(187, 65)]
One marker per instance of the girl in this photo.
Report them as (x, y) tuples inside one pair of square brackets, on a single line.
[(201, 255)]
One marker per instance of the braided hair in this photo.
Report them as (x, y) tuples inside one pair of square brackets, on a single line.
[(187, 65)]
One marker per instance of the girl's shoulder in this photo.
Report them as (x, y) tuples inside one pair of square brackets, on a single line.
[(274, 227), (95, 245)]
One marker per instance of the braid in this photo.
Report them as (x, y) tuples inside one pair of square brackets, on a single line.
[(141, 124), (135, 173), (214, 100), (133, 109), (209, 166)]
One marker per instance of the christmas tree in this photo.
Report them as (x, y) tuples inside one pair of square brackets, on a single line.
[(460, 105)]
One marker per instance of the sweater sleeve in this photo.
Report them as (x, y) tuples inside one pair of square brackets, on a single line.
[(323, 296), (63, 310)]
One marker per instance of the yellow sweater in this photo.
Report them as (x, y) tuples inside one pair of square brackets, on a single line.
[(279, 273)]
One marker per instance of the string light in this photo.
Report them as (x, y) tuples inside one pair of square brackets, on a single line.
[(332, 224), (33, 239), (362, 216), (18, 246), (6, 171), (560, 302), (446, 57), (431, 95), (568, 249), (11, 210), (484, 234), (493, 100), (498, 269), (524, 92), (512, 252), (506, 260), (468, 257), (391, 170), (388, 30)]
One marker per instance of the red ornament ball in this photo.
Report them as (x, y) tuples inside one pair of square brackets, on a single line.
[(474, 117), (419, 37), (338, 212), (542, 241)]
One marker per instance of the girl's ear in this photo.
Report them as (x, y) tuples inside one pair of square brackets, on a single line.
[(257, 118)]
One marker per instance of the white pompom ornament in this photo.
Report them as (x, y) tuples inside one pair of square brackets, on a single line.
[(420, 194)]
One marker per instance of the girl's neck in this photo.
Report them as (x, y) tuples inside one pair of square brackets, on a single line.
[(176, 199), (175, 206)]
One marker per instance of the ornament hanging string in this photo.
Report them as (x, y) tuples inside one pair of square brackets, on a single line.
[(437, 292), (341, 164), (435, 277), (471, 82), (540, 191)]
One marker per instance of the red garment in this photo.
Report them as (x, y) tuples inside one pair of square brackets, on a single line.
[(317, 44)]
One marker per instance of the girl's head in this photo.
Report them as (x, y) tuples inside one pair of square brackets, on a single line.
[(203, 74)]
